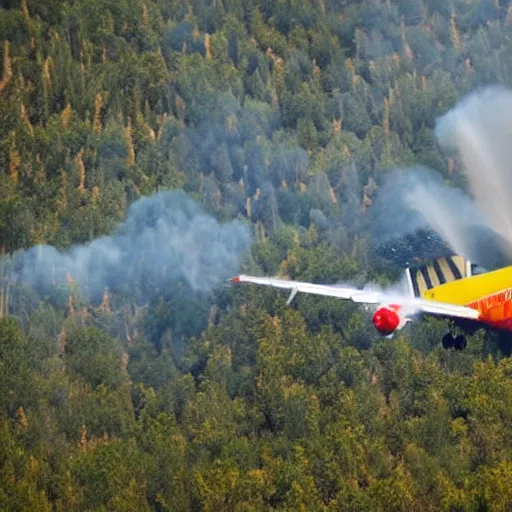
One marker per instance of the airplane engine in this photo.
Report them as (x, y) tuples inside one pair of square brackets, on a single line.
[(387, 319)]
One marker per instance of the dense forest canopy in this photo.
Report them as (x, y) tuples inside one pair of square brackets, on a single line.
[(149, 149)]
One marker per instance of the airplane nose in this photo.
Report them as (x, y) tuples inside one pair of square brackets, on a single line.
[(386, 320)]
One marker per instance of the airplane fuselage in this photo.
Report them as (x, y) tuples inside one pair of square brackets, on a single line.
[(489, 293)]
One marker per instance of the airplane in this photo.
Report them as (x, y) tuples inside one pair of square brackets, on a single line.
[(449, 286)]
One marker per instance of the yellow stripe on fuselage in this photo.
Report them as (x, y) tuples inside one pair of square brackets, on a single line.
[(470, 289), (434, 279)]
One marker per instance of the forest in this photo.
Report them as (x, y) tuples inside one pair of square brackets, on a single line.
[(151, 149)]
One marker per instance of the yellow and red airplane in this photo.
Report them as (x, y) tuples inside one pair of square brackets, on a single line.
[(449, 286)]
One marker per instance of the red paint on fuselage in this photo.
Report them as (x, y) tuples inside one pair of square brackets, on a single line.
[(496, 309)]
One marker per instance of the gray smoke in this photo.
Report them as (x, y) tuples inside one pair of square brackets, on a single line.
[(167, 241), (477, 225)]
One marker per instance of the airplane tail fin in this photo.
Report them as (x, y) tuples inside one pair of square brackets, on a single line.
[(426, 276), (410, 286)]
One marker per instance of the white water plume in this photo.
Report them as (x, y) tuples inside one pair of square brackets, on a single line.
[(479, 128), (476, 224), (448, 211)]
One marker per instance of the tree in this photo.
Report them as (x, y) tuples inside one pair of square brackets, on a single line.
[(110, 475), (94, 356), (18, 386)]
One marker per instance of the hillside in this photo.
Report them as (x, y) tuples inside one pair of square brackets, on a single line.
[(151, 149)]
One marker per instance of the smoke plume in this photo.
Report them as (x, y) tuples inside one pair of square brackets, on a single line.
[(477, 225), (166, 241)]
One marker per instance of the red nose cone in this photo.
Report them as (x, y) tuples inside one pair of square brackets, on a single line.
[(386, 320)]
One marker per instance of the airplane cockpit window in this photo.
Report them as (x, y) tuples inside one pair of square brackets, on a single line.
[(477, 270)]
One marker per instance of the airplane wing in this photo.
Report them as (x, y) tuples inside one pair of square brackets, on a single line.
[(409, 305)]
